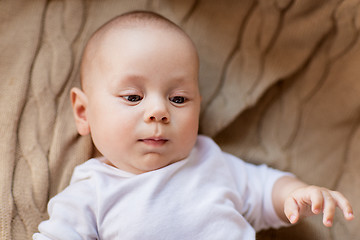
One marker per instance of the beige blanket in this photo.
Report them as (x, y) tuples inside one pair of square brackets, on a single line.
[(280, 81)]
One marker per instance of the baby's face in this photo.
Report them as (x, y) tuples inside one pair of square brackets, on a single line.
[(143, 100)]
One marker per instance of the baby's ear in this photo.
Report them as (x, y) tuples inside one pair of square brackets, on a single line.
[(79, 103)]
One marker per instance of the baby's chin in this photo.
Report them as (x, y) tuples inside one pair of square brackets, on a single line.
[(154, 161), (149, 162)]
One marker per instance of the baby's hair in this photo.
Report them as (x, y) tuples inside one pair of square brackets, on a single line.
[(133, 19), (138, 18)]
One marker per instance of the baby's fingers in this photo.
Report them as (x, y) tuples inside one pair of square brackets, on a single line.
[(316, 200), (329, 209), (310, 200), (291, 210), (344, 205)]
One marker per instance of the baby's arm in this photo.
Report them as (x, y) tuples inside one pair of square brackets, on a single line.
[(72, 214), (294, 199)]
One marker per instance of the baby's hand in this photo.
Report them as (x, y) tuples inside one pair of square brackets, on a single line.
[(310, 200)]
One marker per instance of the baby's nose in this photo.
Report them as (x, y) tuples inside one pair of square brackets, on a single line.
[(163, 119), (157, 112)]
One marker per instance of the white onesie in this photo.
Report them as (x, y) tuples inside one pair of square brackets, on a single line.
[(209, 195)]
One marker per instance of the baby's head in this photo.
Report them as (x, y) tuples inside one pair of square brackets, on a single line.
[(140, 98)]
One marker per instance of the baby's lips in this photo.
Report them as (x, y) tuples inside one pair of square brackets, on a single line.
[(154, 141)]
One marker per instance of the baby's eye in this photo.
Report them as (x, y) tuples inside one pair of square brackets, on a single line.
[(132, 98), (178, 99)]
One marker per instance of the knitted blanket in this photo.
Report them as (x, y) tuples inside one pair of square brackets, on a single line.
[(279, 80)]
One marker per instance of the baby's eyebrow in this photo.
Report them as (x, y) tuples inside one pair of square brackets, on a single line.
[(133, 77), (127, 79)]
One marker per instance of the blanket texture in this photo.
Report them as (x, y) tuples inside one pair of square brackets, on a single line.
[(279, 80)]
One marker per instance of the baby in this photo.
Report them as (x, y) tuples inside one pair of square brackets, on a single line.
[(157, 179)]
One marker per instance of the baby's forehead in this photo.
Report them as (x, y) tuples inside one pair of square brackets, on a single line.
[(113, 31), (113, 35), (136, 20), (126, 30), (117, 39)]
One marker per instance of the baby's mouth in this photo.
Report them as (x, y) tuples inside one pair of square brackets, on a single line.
[(154, 141)]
